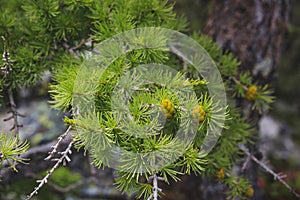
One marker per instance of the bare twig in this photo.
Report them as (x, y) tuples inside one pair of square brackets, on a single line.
[(15, 114), (13, 108), (63, 159), (277, 176), (60, 139), (156, 189), (32, 154), (83, 42), (246, 163), (6, 68)]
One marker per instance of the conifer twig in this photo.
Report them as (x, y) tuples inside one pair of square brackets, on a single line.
[(276, 176), (63, 159), (155, 189), (60, 139)]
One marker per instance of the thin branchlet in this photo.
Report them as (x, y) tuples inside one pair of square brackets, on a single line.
[(60, 139), (277, 176), (73, 50), (155, 189), (62, 160), (5, 70), (14, 115)]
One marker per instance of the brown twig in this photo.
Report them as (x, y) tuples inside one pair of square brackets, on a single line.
[(83, 42), (15, 114), (72, 50)]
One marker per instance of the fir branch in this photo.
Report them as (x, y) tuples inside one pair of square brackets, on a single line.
[(155, 189), (63, 159), (276, 176), (10, 150)]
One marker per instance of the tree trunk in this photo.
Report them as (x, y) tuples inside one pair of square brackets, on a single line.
[(254, 32)]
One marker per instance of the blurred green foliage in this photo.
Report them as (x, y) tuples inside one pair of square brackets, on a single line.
[(64, 177)]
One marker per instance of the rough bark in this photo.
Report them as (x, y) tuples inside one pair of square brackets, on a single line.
[(253, 30)]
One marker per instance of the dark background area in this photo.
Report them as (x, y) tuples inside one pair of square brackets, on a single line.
[(280, 128)]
